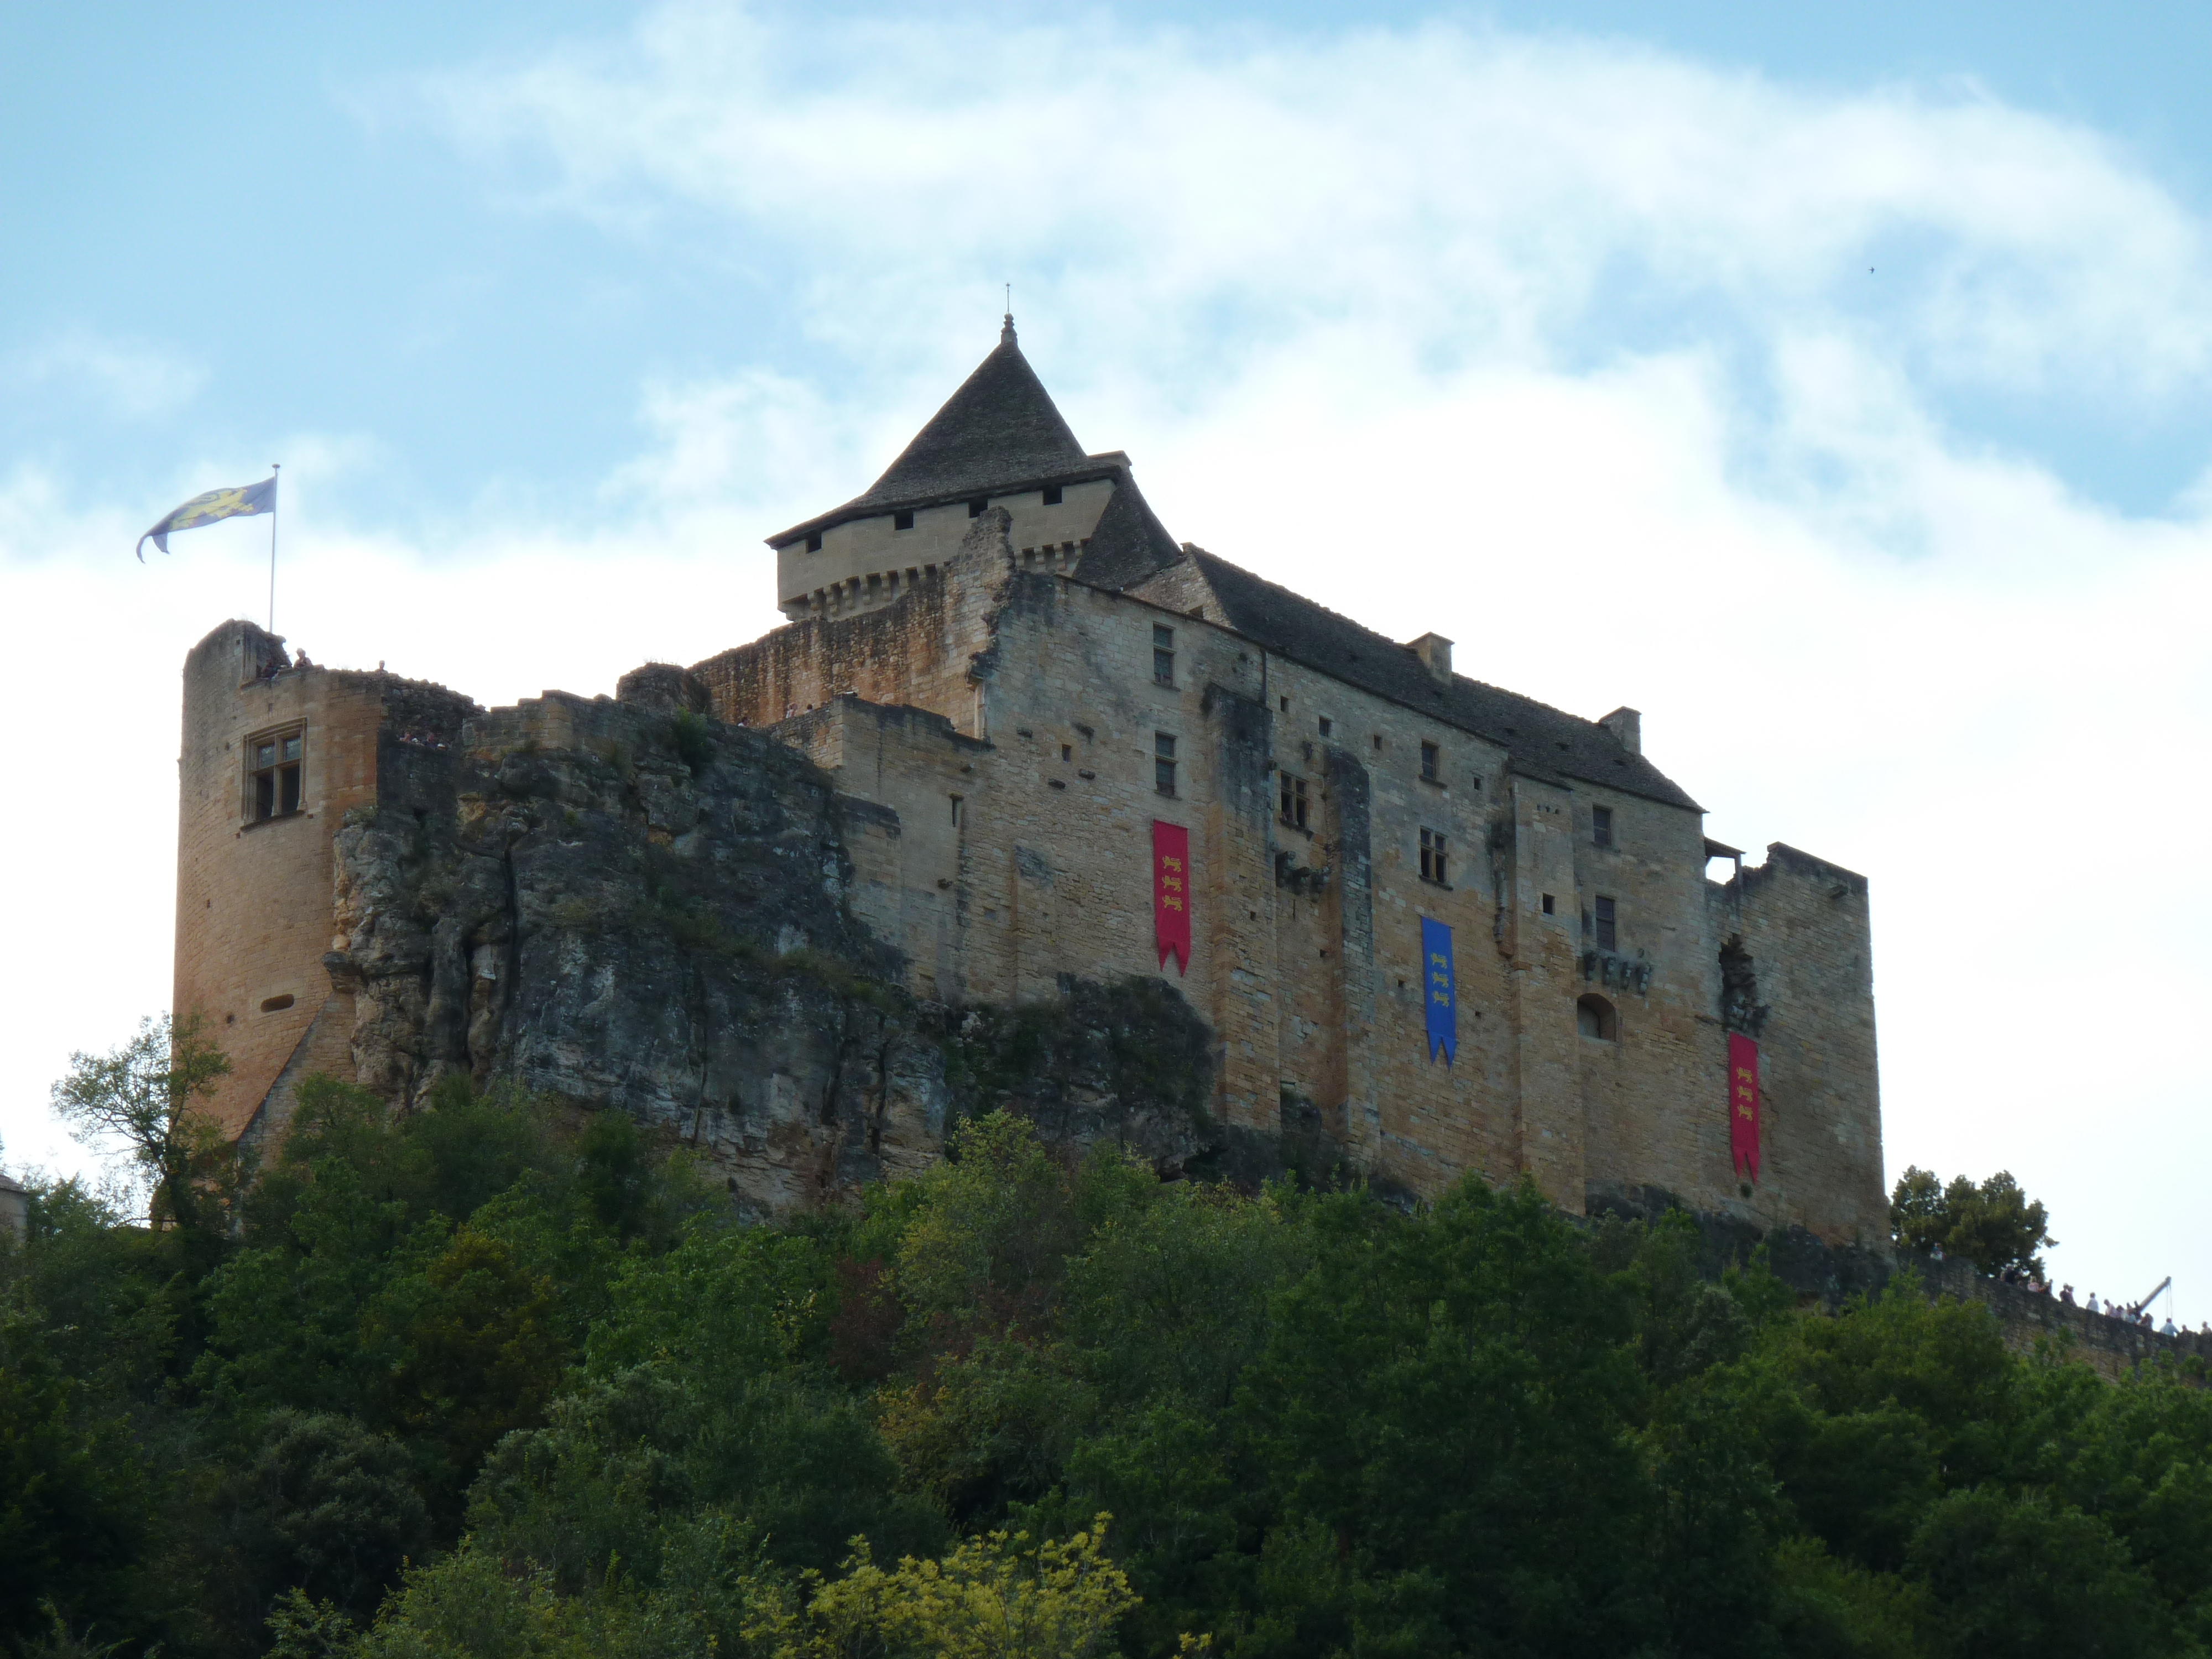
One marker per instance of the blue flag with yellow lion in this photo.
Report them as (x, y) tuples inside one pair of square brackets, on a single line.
[(242, 502)]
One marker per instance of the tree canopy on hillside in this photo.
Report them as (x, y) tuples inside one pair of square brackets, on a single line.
[(489, 1379)]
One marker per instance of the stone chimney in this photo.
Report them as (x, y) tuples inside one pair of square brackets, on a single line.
[(1435, 652), (1627, 727)]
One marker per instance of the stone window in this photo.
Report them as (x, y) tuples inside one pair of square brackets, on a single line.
[(904, 518), (956, 818), (1052, 495), (1429, 762), (1294, 801), (275, 766), (1284, 704), (1325, 725), (1163, 655), (1602, 826), (1433, 864), (1608, 933), (1164, 763), (975, 508), (1068, 752), (1547, 905), (1594, 1017)]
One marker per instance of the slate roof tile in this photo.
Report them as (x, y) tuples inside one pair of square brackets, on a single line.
[(1544, 742), (1000, 430)]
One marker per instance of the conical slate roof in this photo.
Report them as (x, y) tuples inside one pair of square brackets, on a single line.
[(999, 426), (998, 430)]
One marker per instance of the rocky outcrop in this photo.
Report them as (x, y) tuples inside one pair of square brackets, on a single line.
[(627, 906)]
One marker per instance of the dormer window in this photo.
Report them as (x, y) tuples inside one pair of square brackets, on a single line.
[(904, 518), (975, 508), (1052, 495)]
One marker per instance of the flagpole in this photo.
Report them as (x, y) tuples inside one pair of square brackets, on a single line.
[(275, 467)]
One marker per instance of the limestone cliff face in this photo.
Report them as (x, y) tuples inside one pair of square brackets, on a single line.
[(627, 906)]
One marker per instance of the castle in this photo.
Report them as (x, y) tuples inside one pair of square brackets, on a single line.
[(1452, 928)]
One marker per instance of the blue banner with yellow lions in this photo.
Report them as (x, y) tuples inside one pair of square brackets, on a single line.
[(240, 503), (1442, 996)]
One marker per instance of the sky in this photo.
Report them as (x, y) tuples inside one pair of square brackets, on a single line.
[(1832, 385)]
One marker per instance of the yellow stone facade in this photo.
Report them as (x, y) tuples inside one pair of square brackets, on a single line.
[(993, 664)]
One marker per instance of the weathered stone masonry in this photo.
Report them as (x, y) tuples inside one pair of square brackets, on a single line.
[(984, 736)]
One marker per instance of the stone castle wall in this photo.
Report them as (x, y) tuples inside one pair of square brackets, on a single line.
[(987, 743), (1030, 701)]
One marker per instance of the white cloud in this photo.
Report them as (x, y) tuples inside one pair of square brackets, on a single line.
[(135, 382), (1478, 191), (1357, 308)]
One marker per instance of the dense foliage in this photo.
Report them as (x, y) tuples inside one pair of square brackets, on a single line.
[(1993, 1224), (483, 1381)]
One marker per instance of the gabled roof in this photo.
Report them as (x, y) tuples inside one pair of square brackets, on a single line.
[(999, 431), (1544, 742)]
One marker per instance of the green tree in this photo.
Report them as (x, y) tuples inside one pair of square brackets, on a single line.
[(150, 1095), (75, 1501), (1000, 1596), (1995, 1224), (1452, 1397), (323, 1506)]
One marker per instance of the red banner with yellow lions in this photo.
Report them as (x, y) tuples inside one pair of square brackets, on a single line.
[(1743, 1104), (1171, 893)]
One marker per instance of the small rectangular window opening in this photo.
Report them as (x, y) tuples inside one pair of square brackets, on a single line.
[(1285, 703), (1294, 801), (1601, 825), (1164, 763), (957, 804), (1609, 936), (1325, 725), (276, 1005), (1432, 856), (277, 762), (1378, 741), (1429, 762), (1068, 752), (1052, 495), (975, 508), (1163, 655), (904, 518), (1547, 905)]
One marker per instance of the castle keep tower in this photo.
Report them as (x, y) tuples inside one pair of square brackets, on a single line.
[(999, 441), (1020, 688), (275, 753)]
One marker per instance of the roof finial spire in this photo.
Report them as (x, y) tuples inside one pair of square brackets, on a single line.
[(1006, 330)]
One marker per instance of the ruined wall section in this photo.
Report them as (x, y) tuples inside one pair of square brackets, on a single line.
[(929, 648), (1805, 923)]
